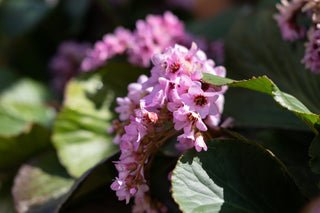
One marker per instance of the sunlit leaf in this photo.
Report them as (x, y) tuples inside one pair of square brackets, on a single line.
[(40, 185), (80, 132)]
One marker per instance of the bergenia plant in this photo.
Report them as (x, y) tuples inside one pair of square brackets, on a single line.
[(172, 102), (162, 114)]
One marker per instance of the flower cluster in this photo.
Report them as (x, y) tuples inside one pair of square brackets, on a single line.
[(151, 36), (291, 30), (66, 63), (174, 101)]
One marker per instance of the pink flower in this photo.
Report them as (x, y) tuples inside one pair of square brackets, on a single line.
[(186, 119), (200, 101), (186, 141), (312, 54), (120, 187), (290, 29), (66, 63), (175, 96), (200, 144)]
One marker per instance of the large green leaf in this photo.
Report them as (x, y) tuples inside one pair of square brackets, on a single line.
[(80, 132), (234, 176), (254, 47), (80, 135), (265, 85), (262, 111), (40, 185), (291, 147)]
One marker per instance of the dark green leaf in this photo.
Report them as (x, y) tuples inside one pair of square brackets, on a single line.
[(255, 47), (15, 150), (314, 152), (92, 193), (234, 176), (262, 112), (40, 185), (92, 190), (265, 85), (291, 147)]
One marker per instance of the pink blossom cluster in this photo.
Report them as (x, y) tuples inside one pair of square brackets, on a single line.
[(291, 30), (66, 63), (151, 36), (173, 102)]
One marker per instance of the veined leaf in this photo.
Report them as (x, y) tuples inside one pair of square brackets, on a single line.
[(234, 176)]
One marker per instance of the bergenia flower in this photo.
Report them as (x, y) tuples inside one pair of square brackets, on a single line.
[(151, 36), (287, 19), (311, 58), (291, 30), (173, 101), (66, 63)]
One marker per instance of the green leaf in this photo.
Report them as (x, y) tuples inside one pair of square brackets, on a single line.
[(23, 114), (265, 85), (15, 150), (234, 176), (291, 147), (314, 152), (26, 91), (23, 103), (254, 47), (40, 185), (80, 130), (263, 111), (20, 16)]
